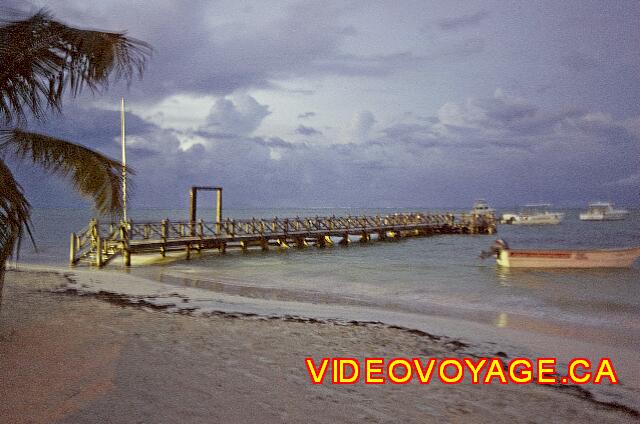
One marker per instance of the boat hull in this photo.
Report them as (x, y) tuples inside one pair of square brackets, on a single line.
[(541, 219), (547, 220), (603, 211), (618, 216), (612, 258)]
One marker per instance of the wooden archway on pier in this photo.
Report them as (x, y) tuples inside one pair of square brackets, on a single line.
[(193, 202)]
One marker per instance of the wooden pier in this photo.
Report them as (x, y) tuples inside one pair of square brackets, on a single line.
[(98, 243)]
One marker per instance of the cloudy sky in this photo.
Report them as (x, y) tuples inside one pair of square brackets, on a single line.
[(368, 103)]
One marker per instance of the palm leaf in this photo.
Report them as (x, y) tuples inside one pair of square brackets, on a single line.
[(14, 213), (93, 174), (46, 57)]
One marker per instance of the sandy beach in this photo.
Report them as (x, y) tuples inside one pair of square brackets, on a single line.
[(73, 356)]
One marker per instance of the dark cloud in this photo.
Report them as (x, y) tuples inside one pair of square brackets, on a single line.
[(509, 149), (194, 53), (463, 21), (604, 128), (461, 49), (297, 91), (504, 112), (503, 117), (409, 133), (239, 117), (579, 62), (277, 142), (308, 131), (93, 127), (305, 40), (388, 172), (370, 65), (360, 127)]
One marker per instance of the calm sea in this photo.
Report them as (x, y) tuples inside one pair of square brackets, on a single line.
[(440, 275)]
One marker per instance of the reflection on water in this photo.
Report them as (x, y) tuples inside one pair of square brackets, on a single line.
[(501, 321), (504, 276)]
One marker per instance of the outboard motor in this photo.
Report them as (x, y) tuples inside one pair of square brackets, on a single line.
[(495, 249)]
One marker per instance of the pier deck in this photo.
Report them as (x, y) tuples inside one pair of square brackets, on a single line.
[(98, 244)]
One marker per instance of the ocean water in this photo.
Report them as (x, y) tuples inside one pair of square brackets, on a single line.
[(439, 275)]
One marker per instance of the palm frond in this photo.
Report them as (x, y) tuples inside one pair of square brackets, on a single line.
[(45, 57), (14, 213), (93, 174)]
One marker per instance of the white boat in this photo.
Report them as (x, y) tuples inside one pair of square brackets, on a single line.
[(537, 214), (530, 258), (603, 211), (481, 207)]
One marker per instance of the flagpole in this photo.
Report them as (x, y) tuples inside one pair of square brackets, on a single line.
[(124, 164)]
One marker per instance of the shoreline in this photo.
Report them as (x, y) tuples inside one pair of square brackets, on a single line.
[(124, 290), (239, 289), (236, 296), (594, 332)]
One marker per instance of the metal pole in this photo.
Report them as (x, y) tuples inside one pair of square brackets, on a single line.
[(124, 164)]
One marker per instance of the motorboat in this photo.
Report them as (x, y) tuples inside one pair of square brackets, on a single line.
[(481, 207), (534, 214), (603, 211), (571, 258)]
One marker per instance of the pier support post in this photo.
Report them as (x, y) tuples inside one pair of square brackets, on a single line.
[(193, 207), (124, 236), (218, 209), (164, 231), (72, 250), (344, 241), (96, 241), (98, 252), (491, 224), (282, 242), (364, 238)]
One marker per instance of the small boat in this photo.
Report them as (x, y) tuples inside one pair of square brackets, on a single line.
[(573, 258), (481, 207), (537, 214), (603, 211)]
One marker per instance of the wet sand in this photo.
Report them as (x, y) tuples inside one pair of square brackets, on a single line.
[(99, 358)]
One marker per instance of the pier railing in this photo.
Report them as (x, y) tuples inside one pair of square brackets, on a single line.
[(98, 243)]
